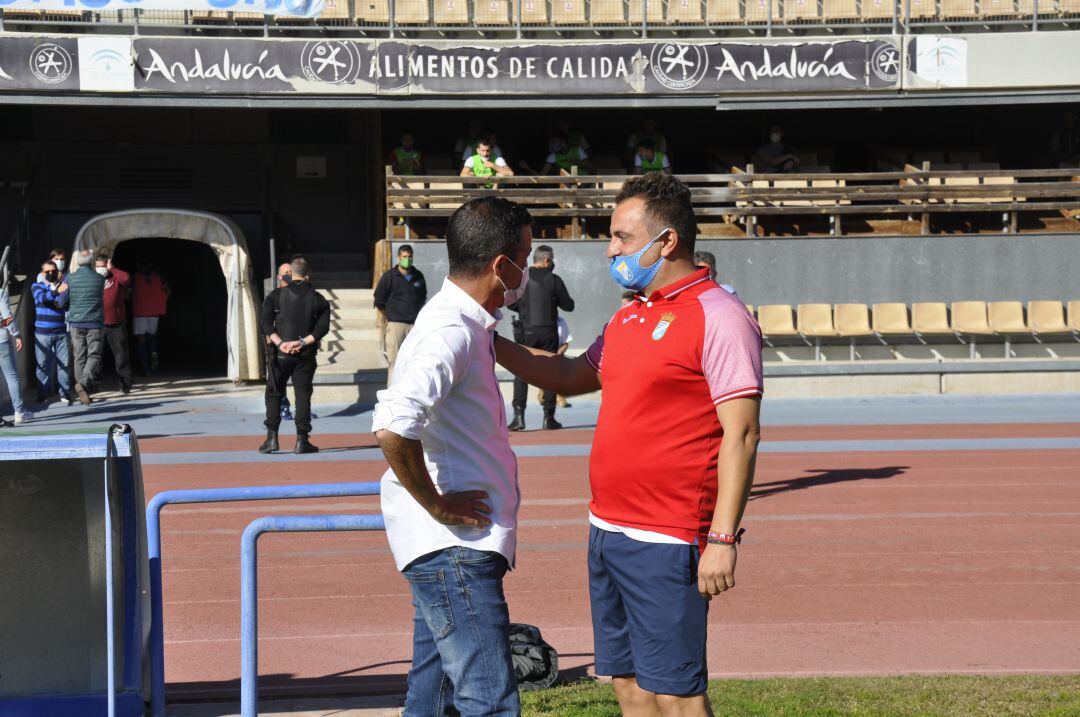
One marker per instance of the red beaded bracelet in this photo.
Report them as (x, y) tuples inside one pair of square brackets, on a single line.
[(726, 538)]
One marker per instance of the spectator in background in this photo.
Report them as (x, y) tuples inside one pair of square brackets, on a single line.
[(649, 159), (399, 296), (469, 139), (487, 137), (485, 163), (564, 156), (10, 344), (706, 260), (117, 286), (51, 350), (86, 321), (1065, 142), (545, 295), (573, 135), (406, 159), (149, 304), (649, 131), (57, 257), (776, 156)]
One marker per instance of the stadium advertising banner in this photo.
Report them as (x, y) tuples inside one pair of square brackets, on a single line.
[(209, 66), (299, 8)]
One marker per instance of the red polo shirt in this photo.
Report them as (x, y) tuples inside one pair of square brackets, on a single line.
[(116, 284), (666, 362)]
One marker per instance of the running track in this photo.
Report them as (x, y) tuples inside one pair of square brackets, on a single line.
[(871, 549)]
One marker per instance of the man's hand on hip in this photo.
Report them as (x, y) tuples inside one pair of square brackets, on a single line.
[(464, 508), (716, 570)]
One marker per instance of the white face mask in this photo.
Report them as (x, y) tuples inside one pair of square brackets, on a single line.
[(512, 296), (775, 138), (103, 270), (59, 264)]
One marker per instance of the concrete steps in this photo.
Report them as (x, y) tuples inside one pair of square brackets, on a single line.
[(351, 350)]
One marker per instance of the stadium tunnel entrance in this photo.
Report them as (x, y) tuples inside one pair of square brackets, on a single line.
[(211, 327)]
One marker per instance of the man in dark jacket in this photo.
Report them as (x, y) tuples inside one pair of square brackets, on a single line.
[(294, 318), (545, 295), (399, 296), (117, 284), (86, 319)]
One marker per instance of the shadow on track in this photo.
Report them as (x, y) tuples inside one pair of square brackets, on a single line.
[(825, 477)]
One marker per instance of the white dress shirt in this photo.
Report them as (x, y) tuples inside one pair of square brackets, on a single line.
[(444, 393)]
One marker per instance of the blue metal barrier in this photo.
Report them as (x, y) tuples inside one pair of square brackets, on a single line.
[(249, 587), (213, 495)]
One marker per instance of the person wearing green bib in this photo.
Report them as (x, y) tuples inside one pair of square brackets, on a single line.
[(485, 164), (406, 159), (565, 156), (648, 159)]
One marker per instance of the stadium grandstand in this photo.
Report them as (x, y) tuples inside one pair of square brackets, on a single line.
[(842, 152)]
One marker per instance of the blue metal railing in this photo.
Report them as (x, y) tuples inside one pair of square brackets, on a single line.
[(213, 495), (249, 588)]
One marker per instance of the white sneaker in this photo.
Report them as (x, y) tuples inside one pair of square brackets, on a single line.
[(23, 417)]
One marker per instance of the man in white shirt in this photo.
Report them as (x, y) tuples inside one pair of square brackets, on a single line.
[(451, 495), (486, 162)]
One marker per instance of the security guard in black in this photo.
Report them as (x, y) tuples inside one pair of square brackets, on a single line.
[(295, 318), (539, 308)]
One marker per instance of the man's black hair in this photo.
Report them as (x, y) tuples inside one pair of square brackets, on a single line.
[(57, 252), (629, 295), (404, 247), (482, 229), (646, 143), (300, 268), (667, 205), (543, 252)]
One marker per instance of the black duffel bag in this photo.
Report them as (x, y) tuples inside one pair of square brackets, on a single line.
[(536, 664)]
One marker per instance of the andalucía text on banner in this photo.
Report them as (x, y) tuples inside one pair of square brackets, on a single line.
[(298, 8)]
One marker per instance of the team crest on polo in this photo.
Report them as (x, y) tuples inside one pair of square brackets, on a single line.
[(662, 327)]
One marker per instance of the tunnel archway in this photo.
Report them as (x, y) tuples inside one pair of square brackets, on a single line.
[(104, 232)]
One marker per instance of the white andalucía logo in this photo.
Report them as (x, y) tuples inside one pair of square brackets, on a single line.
[(679, 67), (792, 69), (226, 70)]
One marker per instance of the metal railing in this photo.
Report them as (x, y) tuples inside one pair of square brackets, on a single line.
[(249, 586), (637, 18), (211, 495), (913, 195)]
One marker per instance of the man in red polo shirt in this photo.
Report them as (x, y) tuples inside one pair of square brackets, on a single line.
[(117, 283), (672, 460)]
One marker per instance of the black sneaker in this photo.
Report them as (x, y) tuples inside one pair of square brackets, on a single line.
[(125, 387), (550, 424), (153, 362), (42, 399), (303, 445)]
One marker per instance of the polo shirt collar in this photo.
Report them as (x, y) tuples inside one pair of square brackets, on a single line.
[(468, 306), (674, 289)]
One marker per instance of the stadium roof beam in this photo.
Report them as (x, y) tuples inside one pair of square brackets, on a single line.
[(926, 98)]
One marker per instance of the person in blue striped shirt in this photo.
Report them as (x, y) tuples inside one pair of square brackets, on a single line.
[(51, 301)]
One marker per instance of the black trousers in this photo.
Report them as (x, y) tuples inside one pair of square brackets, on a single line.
[(537, 337), (116, 336), (301, 369)]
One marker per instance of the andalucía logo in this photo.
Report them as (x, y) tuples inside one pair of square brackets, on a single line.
[(330, 61), (50, 63), (885, 63), (679, 67)]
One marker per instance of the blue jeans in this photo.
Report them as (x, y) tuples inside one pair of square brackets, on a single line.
[(461, 637), (53, 354), (11, 373)]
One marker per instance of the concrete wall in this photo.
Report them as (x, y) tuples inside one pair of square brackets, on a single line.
[(867, 270)]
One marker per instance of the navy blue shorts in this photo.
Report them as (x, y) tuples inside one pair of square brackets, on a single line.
[(648, 617)]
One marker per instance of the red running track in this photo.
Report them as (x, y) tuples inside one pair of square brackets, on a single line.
[(854, 563)]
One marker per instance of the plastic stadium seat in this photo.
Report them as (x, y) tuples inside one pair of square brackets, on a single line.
[(568, 12), (411, 12), (1047, 317), (969, 318), (877, 9), (958, 9), (533, 12), (852, 321), (840, 9), (723, 12), (654, 8), (1007, 318), (451, 12), (607, 12), (1068, 7), (374, 12), (491, 12), (776, 320), (891, 319), (815, 320), (1074, 315), (686, 12), (800, 10), (1046, 7), (930, 318), (333, 12), (758, 11)]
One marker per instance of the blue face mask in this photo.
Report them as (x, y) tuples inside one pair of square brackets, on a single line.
[(629, 273)]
